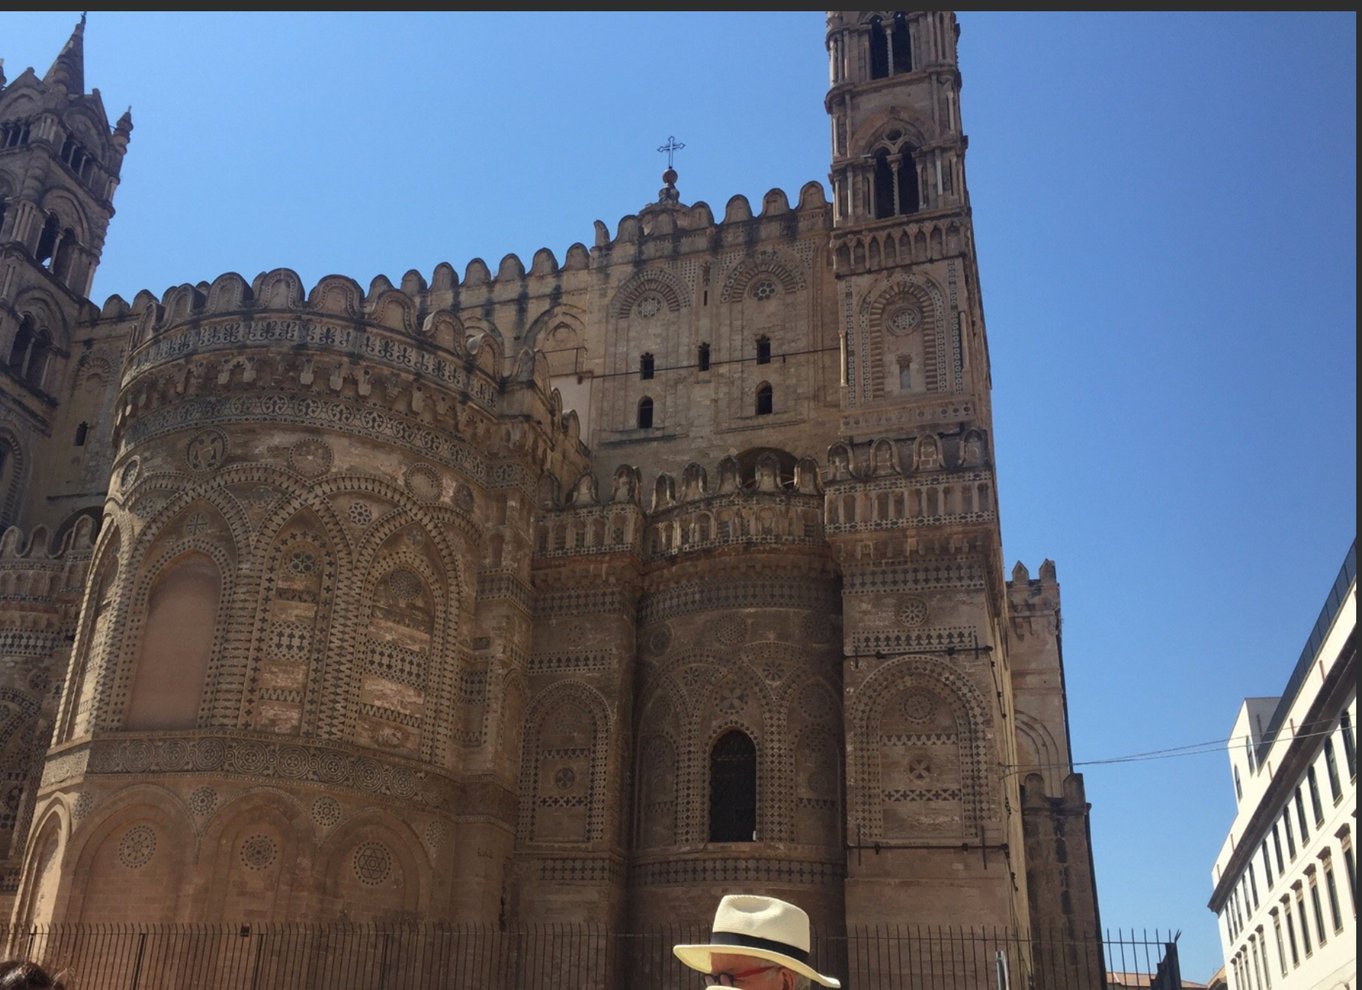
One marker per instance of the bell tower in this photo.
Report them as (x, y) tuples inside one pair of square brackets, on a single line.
[(933, 812), (59, 166)]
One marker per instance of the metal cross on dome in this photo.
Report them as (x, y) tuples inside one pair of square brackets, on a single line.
[(671, 147)]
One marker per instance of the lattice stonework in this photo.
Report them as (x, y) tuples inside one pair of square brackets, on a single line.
[(905, 319), (295, 608), (919, 731), (564, 766)]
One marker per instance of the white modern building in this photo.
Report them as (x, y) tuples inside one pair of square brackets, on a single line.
[(1285, 881)]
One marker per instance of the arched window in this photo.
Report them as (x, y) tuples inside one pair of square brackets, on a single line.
[(177, 643), (47, 241), (765, 402), (645, 367), (23, 340), (763, 350), (28, 354), (733, 789), (901, 44), (702, 359), (896, 190), (645, 413), (65, 252), (879, 54)]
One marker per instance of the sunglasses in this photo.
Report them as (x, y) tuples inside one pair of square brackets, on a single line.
[(731, 979)]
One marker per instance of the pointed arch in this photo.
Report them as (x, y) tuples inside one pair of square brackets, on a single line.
[(564, 766), (179, 633), (733, 788)]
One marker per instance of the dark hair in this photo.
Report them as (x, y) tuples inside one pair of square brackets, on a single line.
[(20, 974)]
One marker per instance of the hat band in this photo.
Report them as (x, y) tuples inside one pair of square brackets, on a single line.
[(752, 942)]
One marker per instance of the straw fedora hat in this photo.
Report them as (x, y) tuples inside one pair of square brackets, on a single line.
[(760, 927)]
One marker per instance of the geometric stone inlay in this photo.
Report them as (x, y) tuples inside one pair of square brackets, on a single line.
[(913, 612), (326, 811), (203, 800), (137, 847), (258, 852), (373, 863), (919, 707)]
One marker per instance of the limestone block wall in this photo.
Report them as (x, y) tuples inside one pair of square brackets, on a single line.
[(40, 588)]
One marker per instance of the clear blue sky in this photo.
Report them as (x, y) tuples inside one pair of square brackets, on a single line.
[(1165, 214)]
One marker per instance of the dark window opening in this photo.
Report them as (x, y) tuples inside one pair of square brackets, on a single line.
[(902, 44), (1331, 767), (879, 55), (28, 354), (1300, 816), (702, 358), (645, 413), (1315, 804), (82, 431), (1345, 722), (765, 401), (64, 254), (733, 789), (645, 367), (47, 242), (763, 350), (908, 199)]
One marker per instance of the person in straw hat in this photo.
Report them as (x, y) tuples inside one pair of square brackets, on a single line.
[(757, 943)]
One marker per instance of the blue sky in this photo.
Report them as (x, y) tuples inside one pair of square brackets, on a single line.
[(1165, 213)]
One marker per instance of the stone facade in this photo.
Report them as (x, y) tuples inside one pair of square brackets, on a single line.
[(411, 602)]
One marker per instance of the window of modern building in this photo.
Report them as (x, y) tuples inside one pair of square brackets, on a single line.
[(1277, 930), (1315, 804), (1267, 865), (645, 367), (1331, 769), (733, 789), (1350, 865), (1290, 835), (645, 420), (1267, 964), (1316, 909), (1331, 888), (1277, 847), (1306, 944), (1238, 787), (1345, 724), (1291, 934), (1300, 816), (763, 350), (1257, 968), (1253, 884)]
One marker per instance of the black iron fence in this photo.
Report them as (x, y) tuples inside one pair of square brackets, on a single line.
[(565, 957)]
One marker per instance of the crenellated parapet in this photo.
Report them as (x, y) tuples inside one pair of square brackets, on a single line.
[(41, 579), (763, 506), (1032, 600)]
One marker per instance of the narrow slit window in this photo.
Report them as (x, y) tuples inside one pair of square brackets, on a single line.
[(702, 358), (82, 431), (645, 367)]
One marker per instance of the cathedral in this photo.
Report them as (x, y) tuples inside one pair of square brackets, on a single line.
[(586, 589)]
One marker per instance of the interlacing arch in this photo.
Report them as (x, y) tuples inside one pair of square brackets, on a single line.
[(747, 273), (891, 683), (564, 765), (652, 281)]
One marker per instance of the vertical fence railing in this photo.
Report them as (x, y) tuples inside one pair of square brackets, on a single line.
[(566, 955)]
